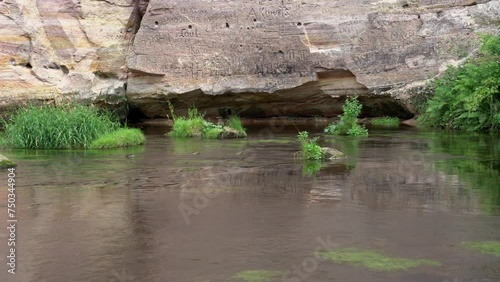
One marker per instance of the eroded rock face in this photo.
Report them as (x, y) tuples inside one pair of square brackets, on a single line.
[(366, 47), (252, 57), (61, 50)]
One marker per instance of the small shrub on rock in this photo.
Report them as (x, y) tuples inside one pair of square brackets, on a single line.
[(348, 124)]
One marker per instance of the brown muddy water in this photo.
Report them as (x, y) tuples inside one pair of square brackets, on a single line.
[(206, 210)]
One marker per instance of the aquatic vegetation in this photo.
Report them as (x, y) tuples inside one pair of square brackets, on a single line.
[(257, 275), (234, 122), (122, 137), (191, 126), (195, 125), (6, 163), (348, 124), (311, 151), (309, 147), (310, 168), (349, 146), (373, 260), (64, 127), (386, 121), (212, 131), (468, 96), (488, 247)]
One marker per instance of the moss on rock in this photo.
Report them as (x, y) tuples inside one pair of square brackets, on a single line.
[(122, 137), (331, 154), (6, 163)]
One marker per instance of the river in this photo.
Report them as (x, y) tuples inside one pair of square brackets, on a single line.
[(208, 210)]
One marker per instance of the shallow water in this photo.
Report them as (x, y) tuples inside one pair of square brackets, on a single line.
[(192, 210)]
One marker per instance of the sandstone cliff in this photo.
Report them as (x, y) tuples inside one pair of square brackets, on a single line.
[(256, 58)]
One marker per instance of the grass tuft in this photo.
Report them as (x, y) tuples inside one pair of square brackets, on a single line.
[(234, 122), (386, 121), (50, 127), (213, 132), (373, 260), (187, 127), (195, 125), (122, 137)]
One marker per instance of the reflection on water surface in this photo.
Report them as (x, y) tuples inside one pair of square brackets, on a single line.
[(216, 210)]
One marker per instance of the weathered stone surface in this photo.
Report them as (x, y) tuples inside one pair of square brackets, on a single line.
[(60, 50), (302, 48), (255, 57), (6, 163), (230, 133), (331, 154)]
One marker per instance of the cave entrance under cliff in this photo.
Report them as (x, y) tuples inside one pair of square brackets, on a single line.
[(321, 98)]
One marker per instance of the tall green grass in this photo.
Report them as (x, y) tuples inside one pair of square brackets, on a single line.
[(49, 127), (234, 122), (122, 137), (195, 125), (386, 121)]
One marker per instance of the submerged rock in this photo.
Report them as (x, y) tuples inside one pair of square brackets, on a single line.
[(6, 163), (332, 154), (411, 122), (231, 133)]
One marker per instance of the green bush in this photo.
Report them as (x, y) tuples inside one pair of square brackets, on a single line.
[(122, 137), (468, 97), (348, 124), (309, 147), (195, 125), (386, 121), (50, 127)]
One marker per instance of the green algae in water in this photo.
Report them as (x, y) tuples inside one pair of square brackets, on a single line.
[(373, 260), (488, 247), (6, 163), (257, 275)]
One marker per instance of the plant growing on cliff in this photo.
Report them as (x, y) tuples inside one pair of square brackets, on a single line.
[(468, 97), (348, 124)]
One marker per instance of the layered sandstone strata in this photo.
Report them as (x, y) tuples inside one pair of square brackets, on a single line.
[(255, 58)]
